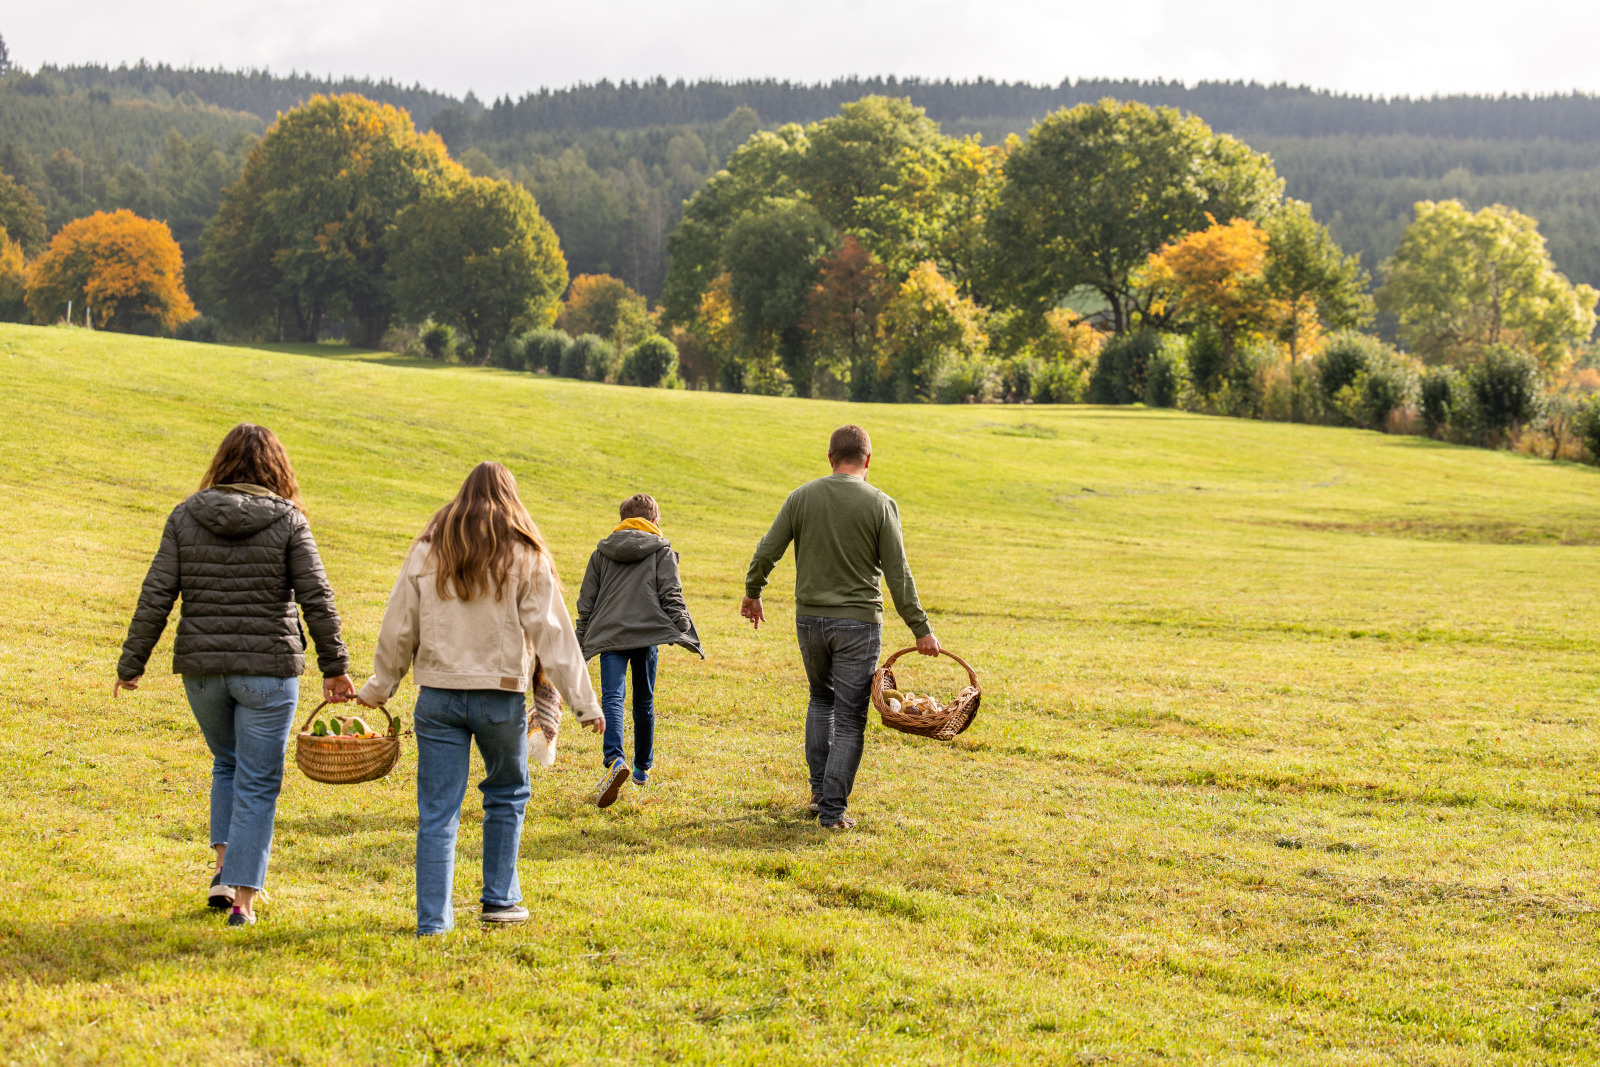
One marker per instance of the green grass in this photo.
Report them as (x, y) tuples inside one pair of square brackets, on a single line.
[(1287, 752)]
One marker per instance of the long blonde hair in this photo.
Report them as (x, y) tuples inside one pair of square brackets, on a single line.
[(474, 538)]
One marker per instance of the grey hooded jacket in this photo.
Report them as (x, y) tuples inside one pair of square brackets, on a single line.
[(241, 559), (632, 597)]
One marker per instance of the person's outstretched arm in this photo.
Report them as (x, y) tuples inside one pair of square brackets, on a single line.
[(315, 597), (547, 624), (897, 577), (768, 553), (398, 636), (156, 597)]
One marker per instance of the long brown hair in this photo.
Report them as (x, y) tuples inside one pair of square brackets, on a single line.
[(253, 454), (475, 536)]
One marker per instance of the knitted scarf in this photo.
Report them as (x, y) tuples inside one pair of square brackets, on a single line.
[(545, 722)]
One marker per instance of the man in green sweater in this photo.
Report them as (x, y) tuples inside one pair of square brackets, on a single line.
[(846, 536)]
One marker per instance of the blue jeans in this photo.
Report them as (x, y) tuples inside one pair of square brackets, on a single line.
[(613, 687), (840, 656), (246, 720), (447, 722)]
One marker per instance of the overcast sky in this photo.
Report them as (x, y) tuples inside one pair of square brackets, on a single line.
[(495, 47)]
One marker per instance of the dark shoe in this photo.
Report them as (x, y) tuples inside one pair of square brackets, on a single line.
[(219, 896), (845, 823), (815, 805), (239, 918), (504, 913), (611, 784)]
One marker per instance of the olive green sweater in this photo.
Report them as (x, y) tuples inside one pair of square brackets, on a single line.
[(846, 536)]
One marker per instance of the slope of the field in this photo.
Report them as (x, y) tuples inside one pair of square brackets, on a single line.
[(1287, 752)]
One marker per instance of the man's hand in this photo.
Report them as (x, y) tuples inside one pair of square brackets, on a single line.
[(750, 608), (338, 690), (928, 646), (131, 684)]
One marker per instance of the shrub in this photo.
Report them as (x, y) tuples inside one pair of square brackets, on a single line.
[(1166, 378), (542, 349), (1587, 426), (1209, 362), (1119, 375), (1389, 384), (507, 352), (1444, 400), (1343, 359), (1507, 390), (439, 340), (651, 362), (201, 328), (972, 379), (589, 357)]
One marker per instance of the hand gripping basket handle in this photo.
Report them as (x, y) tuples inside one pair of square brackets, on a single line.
[(394, 722), (972, 675)]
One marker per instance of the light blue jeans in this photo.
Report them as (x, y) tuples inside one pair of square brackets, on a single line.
[(447, 722), (246, 720)]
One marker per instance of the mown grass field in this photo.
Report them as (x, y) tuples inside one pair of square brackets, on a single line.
[(1288, 749)]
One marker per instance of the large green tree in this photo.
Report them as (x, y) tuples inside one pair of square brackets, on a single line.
[(1307, 270), (1097, 188), (1462, 281), (761, 169), (302, 235), (21, 215), (855, 154), (476, 253), (773, 257)]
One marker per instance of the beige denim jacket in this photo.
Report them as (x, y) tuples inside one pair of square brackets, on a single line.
[(482, 643)]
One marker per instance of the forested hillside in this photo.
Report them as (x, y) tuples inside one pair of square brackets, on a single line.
[(611, 164)]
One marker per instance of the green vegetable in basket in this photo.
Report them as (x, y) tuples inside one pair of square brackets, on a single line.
[(319, 729)]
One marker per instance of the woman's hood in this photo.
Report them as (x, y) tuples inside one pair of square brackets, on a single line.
[(235, 513)]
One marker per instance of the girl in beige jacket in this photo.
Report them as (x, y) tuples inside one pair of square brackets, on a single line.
[(476, 606)]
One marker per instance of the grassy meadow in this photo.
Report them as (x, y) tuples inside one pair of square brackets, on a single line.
[(1288, 750)]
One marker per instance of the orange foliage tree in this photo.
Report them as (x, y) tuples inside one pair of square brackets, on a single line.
[(1214, 276), (126, 272)]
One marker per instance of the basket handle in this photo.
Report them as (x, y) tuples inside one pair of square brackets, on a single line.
[(394, 721), (972, 675)]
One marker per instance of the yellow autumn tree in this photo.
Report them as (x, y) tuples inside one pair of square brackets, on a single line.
[(1068, 350), (929, 332), (124, 271), (1214, 277), (13, 279)]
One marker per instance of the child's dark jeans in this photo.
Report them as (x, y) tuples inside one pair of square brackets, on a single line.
[(613, 687)]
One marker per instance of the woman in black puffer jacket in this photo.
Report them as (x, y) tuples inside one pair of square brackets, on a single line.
[(240, 554)]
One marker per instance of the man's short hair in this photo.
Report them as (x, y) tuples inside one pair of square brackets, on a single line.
[(849, 444), (640, 506)]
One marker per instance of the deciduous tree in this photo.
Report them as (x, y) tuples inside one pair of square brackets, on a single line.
[(1099, 187), (1463, 281), (773, 256), (13, 280), (1213, 277), (22, 215), (124, 271), (1320, 288), (603, 305), (841, 321), (475, 252), (927, 329), (301, 236), (850, 157)]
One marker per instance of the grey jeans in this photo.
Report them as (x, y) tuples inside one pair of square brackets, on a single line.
[(840, 656)]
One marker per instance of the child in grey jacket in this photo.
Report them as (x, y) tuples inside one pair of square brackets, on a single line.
[(631, 602)]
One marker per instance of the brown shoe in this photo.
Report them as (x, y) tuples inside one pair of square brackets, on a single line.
[(845, 823), (815, 805)]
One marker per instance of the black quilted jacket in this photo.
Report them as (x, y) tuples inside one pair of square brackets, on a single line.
[(241, 562)]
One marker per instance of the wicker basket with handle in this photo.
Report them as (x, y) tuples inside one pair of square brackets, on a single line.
[(346, 760), (943, 722)]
